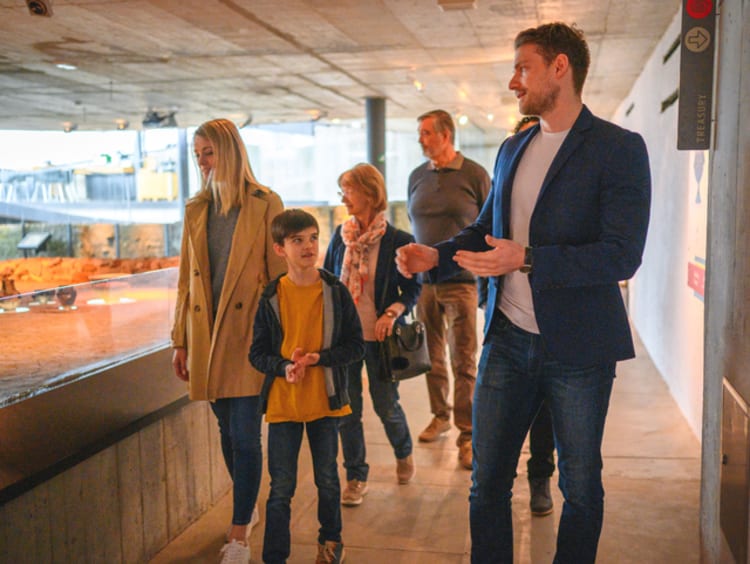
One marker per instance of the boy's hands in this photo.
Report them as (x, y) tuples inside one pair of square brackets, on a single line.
[(296, 372)]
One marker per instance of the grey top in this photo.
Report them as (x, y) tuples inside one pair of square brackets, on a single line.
[(443, 201), (219, 232)]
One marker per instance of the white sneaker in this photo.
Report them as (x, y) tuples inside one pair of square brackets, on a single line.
[(235, 552)]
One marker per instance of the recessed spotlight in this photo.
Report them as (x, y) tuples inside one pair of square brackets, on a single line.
[(463, 119), (69, 126), (122, 124), (66, 66)]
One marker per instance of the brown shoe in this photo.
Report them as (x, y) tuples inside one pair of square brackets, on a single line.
[(330, 553), (354, 493), (465, 456), (433, 431), (405, 469)]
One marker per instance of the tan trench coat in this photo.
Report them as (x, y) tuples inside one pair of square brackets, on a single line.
[(217, 349)]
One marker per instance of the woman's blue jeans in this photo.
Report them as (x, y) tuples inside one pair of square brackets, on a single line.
[(385, 401), (515, 376), (284, 441), (239, 425)]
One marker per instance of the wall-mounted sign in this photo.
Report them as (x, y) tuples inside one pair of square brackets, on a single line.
[(696, 74), (697, 277)]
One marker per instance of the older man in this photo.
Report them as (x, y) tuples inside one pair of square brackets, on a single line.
[(445, 195)]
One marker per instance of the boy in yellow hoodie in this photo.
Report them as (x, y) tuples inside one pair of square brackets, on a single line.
[(306, 332)]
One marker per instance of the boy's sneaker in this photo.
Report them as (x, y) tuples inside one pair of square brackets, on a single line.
[(354, 493), (331, 552), (235, 552)]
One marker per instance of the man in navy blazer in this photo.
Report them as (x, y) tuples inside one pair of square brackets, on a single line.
[(565, 221)]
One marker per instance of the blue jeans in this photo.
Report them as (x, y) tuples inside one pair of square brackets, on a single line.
[(239, 425), (385, 398), (515, 376), (284, 441), (541, 463)]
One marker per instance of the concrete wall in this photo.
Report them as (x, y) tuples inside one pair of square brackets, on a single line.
[(125, 503), (728, 272), (666, 311)]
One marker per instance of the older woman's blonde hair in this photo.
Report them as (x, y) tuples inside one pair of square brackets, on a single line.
[(232, 178), (368, 179)]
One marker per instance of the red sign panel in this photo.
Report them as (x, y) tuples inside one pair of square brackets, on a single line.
[(697, 278), (699, 8)]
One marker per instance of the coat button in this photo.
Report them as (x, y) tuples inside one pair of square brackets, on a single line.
[(197, 308), (238, 305), (196, 272)]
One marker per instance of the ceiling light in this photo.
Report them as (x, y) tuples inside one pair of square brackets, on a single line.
[(66, 66), (316, 115), (463, 119), (69, 126), (448, 5), (418, 85), (122, 124), (490, 117)]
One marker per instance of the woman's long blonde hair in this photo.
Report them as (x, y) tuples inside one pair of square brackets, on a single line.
[(232, 178)]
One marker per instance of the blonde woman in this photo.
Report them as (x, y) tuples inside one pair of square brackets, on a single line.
[(226, 259), (362, 253)]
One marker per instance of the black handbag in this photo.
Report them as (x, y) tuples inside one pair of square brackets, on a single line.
[(404, 352)]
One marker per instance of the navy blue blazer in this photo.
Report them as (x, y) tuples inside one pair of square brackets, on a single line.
[(400, 289), (587, 231)]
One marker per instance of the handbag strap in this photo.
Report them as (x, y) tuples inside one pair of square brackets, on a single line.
[(387, 272)]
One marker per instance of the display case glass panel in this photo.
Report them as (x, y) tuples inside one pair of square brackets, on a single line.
[(56, 336)]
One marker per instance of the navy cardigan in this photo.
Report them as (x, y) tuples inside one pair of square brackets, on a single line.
[(400, 289)]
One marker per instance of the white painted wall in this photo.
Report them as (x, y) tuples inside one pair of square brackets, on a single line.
[(666, 312)]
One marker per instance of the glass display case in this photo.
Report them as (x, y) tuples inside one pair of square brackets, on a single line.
[(54, 336), (79, 365)]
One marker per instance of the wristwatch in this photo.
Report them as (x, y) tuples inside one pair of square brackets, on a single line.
[(528, 260)]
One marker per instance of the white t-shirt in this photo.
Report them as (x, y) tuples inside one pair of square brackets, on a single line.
[(515, 301)]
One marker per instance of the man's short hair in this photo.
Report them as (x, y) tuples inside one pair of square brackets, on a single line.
[(555, 38), (290, 222), (442, 121)]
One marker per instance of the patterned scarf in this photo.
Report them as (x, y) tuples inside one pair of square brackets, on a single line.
[(355, 270)]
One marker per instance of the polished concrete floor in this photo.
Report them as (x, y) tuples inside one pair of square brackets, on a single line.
[(651, 479)]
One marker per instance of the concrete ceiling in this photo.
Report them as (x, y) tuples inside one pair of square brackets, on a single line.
[(296, 60)]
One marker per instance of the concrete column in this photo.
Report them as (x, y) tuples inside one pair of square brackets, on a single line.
[(727, 355), (375, 111), (182, 169)]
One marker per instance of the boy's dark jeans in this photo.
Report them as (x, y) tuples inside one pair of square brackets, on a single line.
[(284, 441)]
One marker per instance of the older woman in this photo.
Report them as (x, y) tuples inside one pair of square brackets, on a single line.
[(362, 253), (227, 257)]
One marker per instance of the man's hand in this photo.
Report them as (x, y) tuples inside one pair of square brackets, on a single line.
[(506, 256), (179, 363), (414, 258)]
